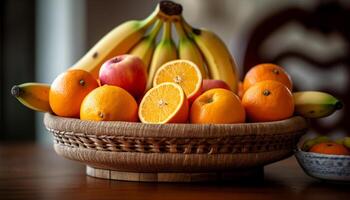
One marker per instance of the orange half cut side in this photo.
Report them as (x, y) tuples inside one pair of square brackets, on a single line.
[(183, 72), (164, 103)]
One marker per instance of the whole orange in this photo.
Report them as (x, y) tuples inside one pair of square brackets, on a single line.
[(330, 148), (268, 71), (109, 103), (268, 101), (68, 91), (217, 106)]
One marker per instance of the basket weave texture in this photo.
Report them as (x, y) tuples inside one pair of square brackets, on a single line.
[(115, 145)]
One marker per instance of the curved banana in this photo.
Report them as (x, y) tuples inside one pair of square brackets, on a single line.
[(144, 49), (188, 50), (314, 104), (118, 41), (164, 52), (219, 61), (33, 95)]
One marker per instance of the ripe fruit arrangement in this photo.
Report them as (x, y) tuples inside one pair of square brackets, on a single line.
[(173, 82)]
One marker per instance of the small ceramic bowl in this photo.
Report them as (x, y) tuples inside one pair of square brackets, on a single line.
[(325, 167)]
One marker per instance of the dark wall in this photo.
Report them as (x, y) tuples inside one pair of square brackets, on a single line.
[(17, 39)]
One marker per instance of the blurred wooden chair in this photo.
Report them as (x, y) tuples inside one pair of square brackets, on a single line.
[(327, 17)]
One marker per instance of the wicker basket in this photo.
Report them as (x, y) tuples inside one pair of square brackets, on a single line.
[(173, 152)]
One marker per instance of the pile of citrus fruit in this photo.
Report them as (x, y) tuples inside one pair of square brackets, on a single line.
[(179, 94)]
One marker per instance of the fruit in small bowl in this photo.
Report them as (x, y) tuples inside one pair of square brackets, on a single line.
[(324, 159)]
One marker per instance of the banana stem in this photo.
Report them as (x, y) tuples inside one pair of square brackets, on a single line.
[(180, 30), (148, 21), (189, 29), (170, 10), (155, 29), (186, 26), (167, 31), (164, 9)]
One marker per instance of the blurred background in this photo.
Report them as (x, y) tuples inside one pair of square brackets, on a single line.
[(311, 39)]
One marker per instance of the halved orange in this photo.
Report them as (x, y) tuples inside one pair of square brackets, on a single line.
[(164, 103), (183, 72)]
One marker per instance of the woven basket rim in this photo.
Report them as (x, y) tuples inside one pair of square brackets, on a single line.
[(137, 129)]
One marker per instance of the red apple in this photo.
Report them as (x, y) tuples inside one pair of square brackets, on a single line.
[(213, 83), (125, 71)]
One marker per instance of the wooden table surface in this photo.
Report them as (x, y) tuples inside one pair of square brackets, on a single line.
[(30, 171)]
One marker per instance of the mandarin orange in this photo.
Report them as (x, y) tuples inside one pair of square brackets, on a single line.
[(268, 101), (68, 91), (267, 71), (330, 148), (109, 103)]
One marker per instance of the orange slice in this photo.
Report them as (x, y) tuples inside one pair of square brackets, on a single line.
[(183, 72), (164, 103)]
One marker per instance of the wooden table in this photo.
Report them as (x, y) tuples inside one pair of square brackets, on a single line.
[(29, 171)]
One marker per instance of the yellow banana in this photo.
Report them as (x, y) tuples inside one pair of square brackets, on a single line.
[(346, 142), (188, 50), (118, 41), (144, 49), (314, 104), (219, 61), (311, 142), (33, 95), (165, 51)]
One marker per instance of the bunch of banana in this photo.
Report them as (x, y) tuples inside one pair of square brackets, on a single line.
[(165, 51), (314, 104), (188, 50), (219, 61), (145, 48), (124, 37), (202, 47)]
